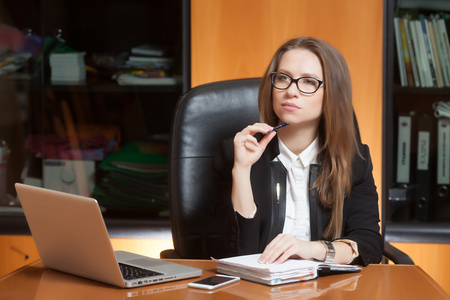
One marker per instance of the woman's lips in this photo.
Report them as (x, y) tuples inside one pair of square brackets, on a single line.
[(290, 106)]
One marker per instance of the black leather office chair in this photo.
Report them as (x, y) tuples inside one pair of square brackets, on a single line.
[(204, 116)]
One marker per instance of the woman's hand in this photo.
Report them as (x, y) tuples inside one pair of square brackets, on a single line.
[(286, 246), (247, 150)]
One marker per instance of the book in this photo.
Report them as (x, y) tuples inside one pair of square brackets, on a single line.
[(429, 51), (442, 30), (293, 270), (417, 54), (440, 50), (412, 53), (400, 53), (428, 77), (406, 53), (434, 49)]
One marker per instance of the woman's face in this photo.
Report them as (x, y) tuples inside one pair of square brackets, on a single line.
[(291, 105)]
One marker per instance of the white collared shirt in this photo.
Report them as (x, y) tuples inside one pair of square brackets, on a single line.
[(297, 221)]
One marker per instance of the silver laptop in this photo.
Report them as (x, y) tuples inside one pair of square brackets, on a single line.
[(71, 236)]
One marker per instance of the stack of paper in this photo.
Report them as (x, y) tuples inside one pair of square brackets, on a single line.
[(148, 64), (293, 270), (67, 67)]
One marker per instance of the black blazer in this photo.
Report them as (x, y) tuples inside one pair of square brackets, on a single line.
[(246, 236)]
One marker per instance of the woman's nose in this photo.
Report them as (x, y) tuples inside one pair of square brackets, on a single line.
[(293, 91)]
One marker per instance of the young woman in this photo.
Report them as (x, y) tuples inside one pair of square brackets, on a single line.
[(305, 190)]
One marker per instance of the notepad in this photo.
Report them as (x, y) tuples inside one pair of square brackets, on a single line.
[(293, 270)]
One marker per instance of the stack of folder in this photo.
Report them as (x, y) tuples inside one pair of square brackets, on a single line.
[(135, 179)]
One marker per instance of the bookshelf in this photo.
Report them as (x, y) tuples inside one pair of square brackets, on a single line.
[(416, 200), (95, 112)]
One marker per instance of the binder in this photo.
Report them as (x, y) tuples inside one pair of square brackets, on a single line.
[(442, 205), (443, 152), (400, 208), (423, 174), (404, 149)]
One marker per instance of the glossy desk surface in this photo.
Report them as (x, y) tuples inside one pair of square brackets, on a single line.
[(374, 282)]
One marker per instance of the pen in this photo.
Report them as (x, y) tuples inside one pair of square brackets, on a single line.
[(279, 126)]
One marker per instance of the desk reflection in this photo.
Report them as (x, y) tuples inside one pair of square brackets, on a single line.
[(54, 284), (309, 289)]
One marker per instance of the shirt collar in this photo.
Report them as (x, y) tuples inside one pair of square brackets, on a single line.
[(307, 157)]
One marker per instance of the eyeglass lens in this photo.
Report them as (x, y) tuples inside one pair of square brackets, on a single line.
[(304, 84)]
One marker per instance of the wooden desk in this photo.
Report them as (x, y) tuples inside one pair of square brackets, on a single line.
[(374, 282)]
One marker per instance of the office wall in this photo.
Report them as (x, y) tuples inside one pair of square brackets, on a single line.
[(237, 38)]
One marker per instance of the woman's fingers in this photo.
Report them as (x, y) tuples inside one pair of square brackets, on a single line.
[(247, 135), (281, 248), (274, 249), (243, 139), (247, 148), (257, 127)]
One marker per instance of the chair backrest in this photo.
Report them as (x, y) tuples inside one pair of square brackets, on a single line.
[(204, 116)]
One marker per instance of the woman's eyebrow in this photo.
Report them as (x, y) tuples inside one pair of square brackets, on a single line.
[(302, 75)]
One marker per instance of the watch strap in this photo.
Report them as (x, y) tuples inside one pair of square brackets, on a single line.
[(331, 252)]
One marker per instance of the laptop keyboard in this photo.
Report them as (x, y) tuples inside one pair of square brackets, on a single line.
[(132, 272)]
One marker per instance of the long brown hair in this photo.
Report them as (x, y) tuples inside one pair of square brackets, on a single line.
[(337, 139)]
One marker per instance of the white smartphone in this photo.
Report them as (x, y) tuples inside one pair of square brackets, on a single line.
[(213, 282)]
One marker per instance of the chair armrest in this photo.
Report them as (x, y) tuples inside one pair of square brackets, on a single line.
[(169, 254), (396, 255)]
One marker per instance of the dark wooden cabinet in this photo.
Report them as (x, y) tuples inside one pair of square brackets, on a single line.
[(40, 114)]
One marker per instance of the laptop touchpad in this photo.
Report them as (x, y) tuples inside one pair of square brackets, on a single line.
[(143, 262)]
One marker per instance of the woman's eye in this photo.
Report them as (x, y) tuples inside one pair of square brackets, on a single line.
[(309, 81)]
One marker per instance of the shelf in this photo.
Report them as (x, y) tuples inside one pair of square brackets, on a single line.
[(421, 91), (95, 85), (434, 233), (114, 88), (13, 222), (432, 5)]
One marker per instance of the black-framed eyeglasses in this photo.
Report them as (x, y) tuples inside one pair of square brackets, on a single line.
[(306, 85)]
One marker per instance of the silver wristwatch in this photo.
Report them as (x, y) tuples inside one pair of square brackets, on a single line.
[(330, 252)]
